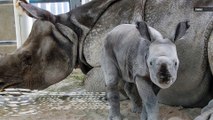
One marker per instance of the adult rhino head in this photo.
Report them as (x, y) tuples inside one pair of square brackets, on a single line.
[(53, 48), (44, 59)]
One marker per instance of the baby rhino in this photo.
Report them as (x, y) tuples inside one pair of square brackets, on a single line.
[(145, 60)]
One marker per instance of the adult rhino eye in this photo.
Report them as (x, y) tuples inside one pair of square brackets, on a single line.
[(175, 63), (150, 63)]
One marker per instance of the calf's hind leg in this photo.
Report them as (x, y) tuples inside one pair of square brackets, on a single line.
[(112, 79)]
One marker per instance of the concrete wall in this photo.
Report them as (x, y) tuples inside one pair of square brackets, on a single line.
[(7, 28), (7, 22)]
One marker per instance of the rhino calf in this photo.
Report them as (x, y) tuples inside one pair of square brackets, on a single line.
[(145, 60)]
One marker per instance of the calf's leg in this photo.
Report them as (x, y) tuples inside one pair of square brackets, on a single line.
[(111, 76), (150, 108), (132, 93)]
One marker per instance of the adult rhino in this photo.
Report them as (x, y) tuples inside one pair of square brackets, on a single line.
[(76, 38)]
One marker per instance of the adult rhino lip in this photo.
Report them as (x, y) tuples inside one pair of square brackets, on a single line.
[(4, 84)]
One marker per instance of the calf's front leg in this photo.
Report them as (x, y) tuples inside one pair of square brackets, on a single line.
[(150, 110)]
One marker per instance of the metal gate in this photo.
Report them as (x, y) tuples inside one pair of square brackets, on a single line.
[(56, 6), (24, 24)]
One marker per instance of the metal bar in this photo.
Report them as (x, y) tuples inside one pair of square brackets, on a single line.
[(17, 25), (47, 1), (6, 1), (7, 42), (75, 3)]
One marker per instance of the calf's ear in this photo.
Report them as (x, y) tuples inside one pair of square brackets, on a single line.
[(35, 12), (180, 30), (144, 30)]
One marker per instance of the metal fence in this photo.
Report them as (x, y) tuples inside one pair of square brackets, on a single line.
[(6, 1), (56, 6), (24, 24)]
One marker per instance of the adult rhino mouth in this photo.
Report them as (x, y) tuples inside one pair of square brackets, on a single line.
[(8, 82), (9, 72)]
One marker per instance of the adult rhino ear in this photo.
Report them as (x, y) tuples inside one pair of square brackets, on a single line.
[(35, 12), (144, 30), (67, 39), (181, 30), (66, 32)]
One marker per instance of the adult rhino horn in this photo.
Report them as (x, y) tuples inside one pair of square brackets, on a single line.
[(35, 12)]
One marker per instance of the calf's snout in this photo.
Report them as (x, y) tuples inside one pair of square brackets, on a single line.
[(164, 75)]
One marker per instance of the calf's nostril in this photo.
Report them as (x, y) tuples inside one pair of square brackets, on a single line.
[(165, 79), (164, 75)]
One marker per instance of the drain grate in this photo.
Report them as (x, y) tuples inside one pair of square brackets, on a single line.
[(16, 102)]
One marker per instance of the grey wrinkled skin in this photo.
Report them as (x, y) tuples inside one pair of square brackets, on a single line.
[(140, 56)]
